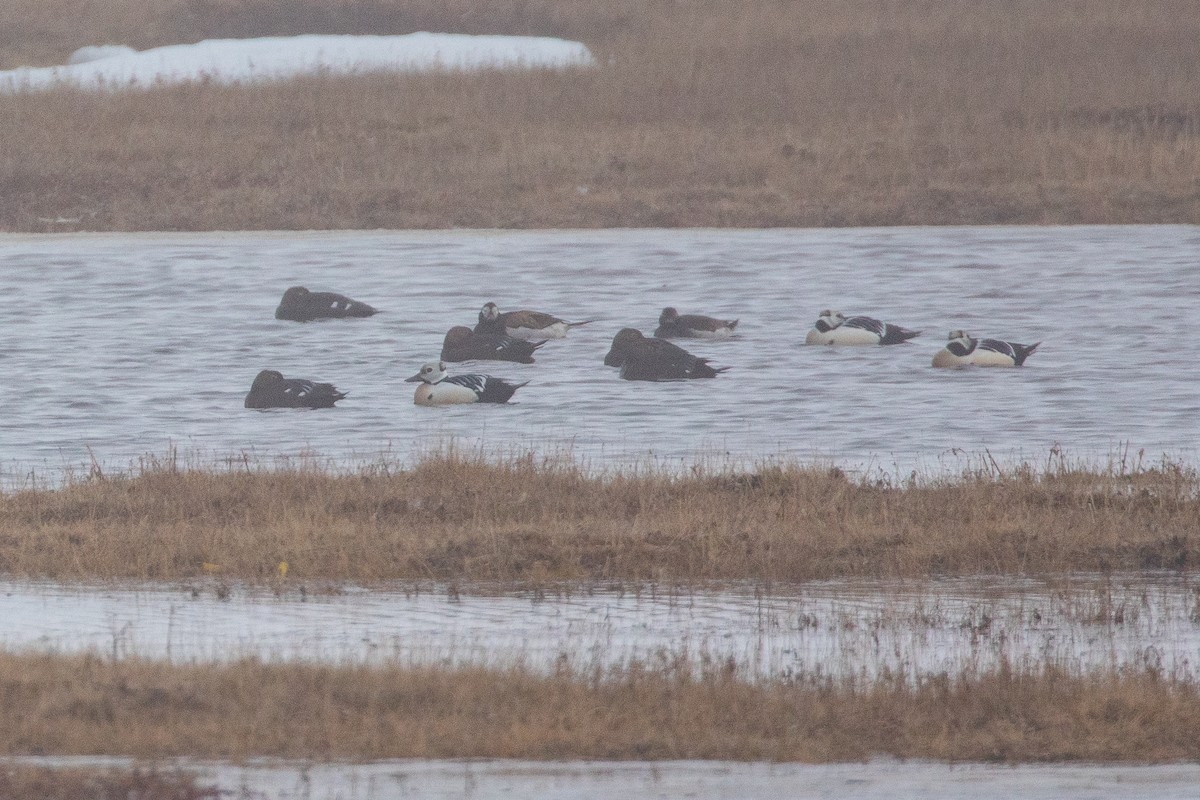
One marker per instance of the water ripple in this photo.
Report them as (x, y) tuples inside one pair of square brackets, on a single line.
[(125, 344)]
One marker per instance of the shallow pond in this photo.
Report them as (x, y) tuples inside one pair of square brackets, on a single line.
[(814, 631), (123, 345)]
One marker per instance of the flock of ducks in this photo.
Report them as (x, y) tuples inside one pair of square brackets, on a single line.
[(516, 335)]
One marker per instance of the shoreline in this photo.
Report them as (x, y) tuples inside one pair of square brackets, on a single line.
[(17, 235)]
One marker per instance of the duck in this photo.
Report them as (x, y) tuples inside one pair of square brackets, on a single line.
[(528, 325), (834, 327), (463, 344), (643, 359), (673, 325), (271, 390), (964, 350), (439, 389), (301, 305)]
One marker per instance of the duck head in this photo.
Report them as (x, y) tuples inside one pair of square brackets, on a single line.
[(457, 335), (294, 296), (960, 342), (828, 320), (432, 372), (266, 379), (622, 344)]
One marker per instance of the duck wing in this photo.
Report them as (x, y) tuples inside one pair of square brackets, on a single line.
[(867, 324), (332, 304), (534, 320), (1017, 352), (894, 334), (476, 383), (310, 394)]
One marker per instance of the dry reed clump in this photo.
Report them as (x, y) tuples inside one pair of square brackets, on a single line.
[(462, 518), (757, 114), (87, 705)]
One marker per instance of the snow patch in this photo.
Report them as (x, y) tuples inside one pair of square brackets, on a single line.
[(230, 61), (95, 52)]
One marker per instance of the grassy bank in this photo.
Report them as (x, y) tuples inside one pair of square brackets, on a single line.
[(24, 782), (767, 113), (87, 705), (463, 518)]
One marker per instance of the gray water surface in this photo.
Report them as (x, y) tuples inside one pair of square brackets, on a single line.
[(123, 345), (845, 629)]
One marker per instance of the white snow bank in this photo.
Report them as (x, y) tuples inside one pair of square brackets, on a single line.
[(276, 58), (99, 51)]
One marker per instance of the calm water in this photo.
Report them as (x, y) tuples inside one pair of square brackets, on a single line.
[(119, 346), (843, 629)]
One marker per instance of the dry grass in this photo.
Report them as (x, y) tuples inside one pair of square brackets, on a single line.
[(43, 783), (459, 517), (706, 113), (89, 706)]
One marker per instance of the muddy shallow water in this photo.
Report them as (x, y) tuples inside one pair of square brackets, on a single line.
[(122, 345)]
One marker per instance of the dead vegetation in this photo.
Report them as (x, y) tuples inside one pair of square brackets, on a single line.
[(87, 705), (460, 517), (19, 782), (768, 113)]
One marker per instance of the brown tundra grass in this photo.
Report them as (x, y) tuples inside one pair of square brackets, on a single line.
[(47, 783), (707, 113), (85, 705), (456, 517)]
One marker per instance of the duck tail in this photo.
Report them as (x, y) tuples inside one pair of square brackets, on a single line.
[(577, 324), (896, 335), (500, 392), (706, 370), (1024, 351)]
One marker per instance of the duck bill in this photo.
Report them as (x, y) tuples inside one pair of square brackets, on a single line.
[(414, 379)]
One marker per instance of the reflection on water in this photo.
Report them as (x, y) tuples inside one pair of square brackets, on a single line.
[(121, 345), (814, 631), (700, 780)]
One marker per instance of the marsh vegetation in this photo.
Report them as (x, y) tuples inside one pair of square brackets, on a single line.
[(462, 517), (701, 114), (152, 710)]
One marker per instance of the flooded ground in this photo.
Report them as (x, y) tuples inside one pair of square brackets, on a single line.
[(819, 630), (699, 780), (120, 345)]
